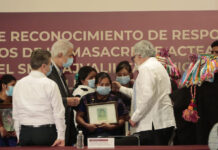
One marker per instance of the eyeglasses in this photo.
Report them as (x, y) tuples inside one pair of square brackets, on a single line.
[(132, 58), (214, 52)]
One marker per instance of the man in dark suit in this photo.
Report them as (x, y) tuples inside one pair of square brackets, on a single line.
[(62, 57), (189, 133)]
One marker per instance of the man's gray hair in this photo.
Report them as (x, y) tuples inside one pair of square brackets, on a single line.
[(61, 46), (144, 49)]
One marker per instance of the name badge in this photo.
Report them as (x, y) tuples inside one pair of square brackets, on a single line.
[(100, 142)]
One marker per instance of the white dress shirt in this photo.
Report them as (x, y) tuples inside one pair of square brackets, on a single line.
[(37, 101), (127, 91), (151, 97)]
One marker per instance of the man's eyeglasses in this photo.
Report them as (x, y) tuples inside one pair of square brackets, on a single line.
[(214, 52)]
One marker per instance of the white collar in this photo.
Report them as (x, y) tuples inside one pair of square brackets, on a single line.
[(146, 61), (36, 73)]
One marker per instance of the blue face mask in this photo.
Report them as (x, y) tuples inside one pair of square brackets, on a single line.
[(103, 90), (50, 70), (68, 63), (9, 92), (123, 79), (91, 83)]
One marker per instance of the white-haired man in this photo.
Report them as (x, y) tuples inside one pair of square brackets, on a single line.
[(153, 116), (61, 52)]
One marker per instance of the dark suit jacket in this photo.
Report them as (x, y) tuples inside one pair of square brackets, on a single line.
[(189, 133), (70, 135), (55, 77)]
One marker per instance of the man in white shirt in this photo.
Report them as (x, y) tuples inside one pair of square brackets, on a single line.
[(38, 110), (153, 117)]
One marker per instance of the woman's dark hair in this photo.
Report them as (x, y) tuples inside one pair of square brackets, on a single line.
[(122, 65), (5, 79), (101, 76), (82, 74), (215, 43)]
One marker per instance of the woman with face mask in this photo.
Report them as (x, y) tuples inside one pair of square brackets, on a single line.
[(123, 77), (7, 133), (85, 81), (102, 94)]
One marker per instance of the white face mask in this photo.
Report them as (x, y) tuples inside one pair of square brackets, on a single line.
[(103, 90), (9, 92), (123, 79), (50, 70), (91, 83)]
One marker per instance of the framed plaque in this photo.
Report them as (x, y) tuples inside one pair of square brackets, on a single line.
[(6, 116), (102, 113)]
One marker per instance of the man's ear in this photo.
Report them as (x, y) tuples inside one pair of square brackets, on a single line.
[(43, 66), (60, 55)]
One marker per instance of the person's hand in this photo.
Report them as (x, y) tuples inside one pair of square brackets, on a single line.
[(73, 101), (59, 143), (131, 82), (13, 134), (3, 132), (91, 127), (132, 123), (106, 126), (116, 86)]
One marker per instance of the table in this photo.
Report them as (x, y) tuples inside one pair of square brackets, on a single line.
[(181, 147)]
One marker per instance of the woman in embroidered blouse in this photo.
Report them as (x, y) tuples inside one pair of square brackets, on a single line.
[(7, 133), (102, 94)]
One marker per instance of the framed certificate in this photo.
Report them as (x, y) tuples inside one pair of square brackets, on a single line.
[(6, 116), (102, 113)]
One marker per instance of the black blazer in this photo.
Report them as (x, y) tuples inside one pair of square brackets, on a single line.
[(189, 133), (55, 77), (70, 134)]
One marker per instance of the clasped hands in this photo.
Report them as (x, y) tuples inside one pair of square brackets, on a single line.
[(107, 126), (4, 133)]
